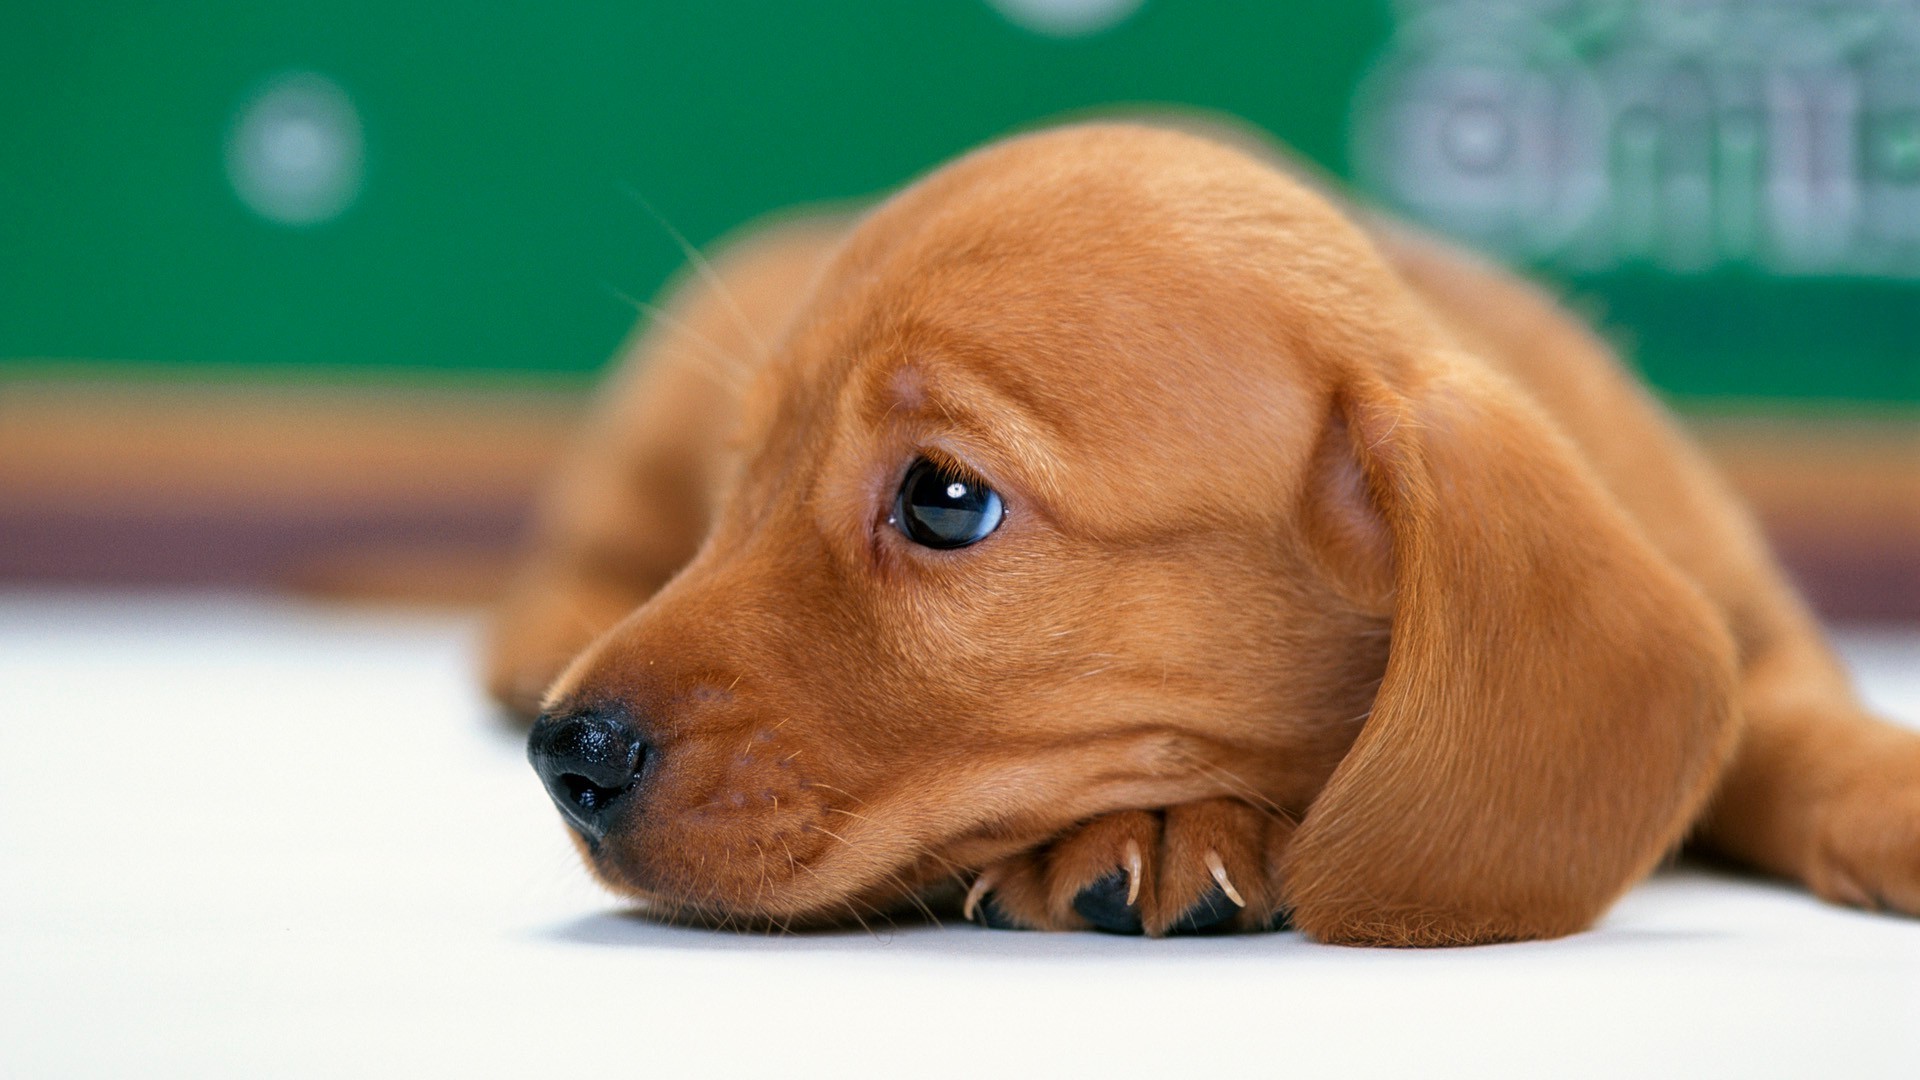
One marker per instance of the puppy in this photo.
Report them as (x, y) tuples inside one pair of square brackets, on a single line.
[(1112, 528)]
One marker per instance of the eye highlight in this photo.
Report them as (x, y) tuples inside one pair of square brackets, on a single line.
[(940, 508)]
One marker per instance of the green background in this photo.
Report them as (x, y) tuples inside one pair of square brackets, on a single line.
[(496, 221)]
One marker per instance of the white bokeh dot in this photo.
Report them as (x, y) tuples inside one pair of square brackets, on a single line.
[(1477, 137), (1066, 18), (294, 152)]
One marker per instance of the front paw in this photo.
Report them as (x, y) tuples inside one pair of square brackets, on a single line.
[(1867, 846), (1199, 868)]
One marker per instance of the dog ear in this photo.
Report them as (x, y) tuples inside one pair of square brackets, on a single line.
[(1557, 697)]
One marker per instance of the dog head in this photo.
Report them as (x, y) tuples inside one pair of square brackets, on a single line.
[(1112, 468)]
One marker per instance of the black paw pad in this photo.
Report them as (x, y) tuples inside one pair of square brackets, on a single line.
[(1104, 904), (1209, 915), (992, 917)]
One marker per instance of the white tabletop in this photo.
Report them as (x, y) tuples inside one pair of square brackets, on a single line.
[(253, 838)]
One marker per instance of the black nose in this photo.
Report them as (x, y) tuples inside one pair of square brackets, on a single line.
[(589, 762)]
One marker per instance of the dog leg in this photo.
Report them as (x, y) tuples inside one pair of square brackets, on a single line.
[(1820, 791), (1203, 867), (635, 494)]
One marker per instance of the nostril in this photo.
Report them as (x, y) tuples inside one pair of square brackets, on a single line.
[(586, 794), (587, 761)]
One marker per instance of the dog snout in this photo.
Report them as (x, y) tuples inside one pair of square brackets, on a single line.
[(590, 762)]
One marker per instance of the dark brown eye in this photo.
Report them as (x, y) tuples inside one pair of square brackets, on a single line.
[(939, 508)]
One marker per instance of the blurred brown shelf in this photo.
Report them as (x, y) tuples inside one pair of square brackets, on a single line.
[(419, 492)]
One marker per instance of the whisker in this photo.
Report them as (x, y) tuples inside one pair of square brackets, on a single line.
[(1244, 790), (894, 878), (837, 836), (760, 891), (705, 269), (655, 313), (842, 791), (915, 899), (922, 852), (851, 910), (727, 370)]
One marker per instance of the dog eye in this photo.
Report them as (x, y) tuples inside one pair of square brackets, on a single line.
[(939, 508)]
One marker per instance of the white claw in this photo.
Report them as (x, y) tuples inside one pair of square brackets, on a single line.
[(1134, 870), (1219, 871), (979, 889)]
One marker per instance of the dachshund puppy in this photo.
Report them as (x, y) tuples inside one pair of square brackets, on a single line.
[(1110, 526)]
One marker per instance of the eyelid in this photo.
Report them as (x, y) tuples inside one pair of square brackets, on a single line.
[(948, 462), (1010, 477)]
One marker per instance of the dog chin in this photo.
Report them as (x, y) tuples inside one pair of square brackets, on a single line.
[(889, 907), (796, 898)]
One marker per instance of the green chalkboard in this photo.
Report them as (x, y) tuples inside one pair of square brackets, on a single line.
[(355, 186)]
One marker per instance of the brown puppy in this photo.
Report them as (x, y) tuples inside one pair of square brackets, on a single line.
[(1109, 524)]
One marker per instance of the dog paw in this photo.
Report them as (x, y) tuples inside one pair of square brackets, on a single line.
[(1868, 851), (1200, 868)]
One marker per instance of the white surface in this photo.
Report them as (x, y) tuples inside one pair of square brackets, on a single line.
[(243, 838)]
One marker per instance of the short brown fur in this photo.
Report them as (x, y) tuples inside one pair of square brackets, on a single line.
[(1333, 558)]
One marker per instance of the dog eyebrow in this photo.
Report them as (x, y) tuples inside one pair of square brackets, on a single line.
[(986, 422)]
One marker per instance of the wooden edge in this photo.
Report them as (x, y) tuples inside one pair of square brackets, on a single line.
[(418, 492)]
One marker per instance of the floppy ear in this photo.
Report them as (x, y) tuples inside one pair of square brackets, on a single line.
[(1557, 697)]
